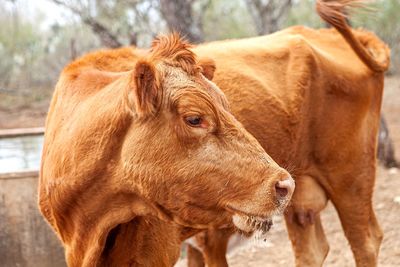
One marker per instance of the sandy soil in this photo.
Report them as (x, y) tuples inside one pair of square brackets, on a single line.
[(15, 115)]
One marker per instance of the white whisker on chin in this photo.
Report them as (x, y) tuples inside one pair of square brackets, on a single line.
[(251, 224), (260, 235)]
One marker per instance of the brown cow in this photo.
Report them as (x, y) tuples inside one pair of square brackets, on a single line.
[(312, 99), (141, 151)]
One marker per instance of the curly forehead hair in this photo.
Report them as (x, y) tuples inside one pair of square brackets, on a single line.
[(176, 51)]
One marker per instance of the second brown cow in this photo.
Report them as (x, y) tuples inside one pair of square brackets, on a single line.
[(312, 98)]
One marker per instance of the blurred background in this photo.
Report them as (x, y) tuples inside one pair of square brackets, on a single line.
[(38, 38)]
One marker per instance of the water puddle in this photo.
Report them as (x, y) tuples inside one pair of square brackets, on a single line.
[(20, 153)]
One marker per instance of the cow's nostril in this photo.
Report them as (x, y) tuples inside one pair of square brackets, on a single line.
[(281, 192), (283, 188)]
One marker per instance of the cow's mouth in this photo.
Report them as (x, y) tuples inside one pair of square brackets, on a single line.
[(250, 224)]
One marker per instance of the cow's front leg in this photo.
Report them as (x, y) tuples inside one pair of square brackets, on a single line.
[(304, 223), (213, 243), (195, 257)]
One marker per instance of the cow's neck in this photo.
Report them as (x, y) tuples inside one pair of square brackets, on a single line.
[(145, 241)]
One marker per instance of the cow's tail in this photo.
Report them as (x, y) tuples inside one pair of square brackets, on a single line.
[(333, 12)]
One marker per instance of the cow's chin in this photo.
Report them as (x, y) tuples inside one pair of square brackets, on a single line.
[(251, 224)]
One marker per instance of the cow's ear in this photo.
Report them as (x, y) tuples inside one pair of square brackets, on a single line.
[(208, 67), (147, 95)]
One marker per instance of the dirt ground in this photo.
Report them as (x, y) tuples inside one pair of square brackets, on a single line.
[(276, 251), (13, 114)]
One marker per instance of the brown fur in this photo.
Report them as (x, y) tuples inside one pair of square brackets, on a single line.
[(125, 178), (312, 99)]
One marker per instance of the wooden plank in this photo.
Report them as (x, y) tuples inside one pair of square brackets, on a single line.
[(7, 133), (19, 175), (26, 240)]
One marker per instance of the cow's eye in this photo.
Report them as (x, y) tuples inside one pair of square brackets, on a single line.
[(194, 121)]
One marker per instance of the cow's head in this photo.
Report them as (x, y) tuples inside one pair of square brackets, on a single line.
[(187, 154)]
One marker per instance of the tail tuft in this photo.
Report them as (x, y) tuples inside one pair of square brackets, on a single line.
[(335, 13)]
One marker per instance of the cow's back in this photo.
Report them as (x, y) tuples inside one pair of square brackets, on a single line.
[(302, 93)]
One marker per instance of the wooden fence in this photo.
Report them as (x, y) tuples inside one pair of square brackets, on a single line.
[(26, 240)]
